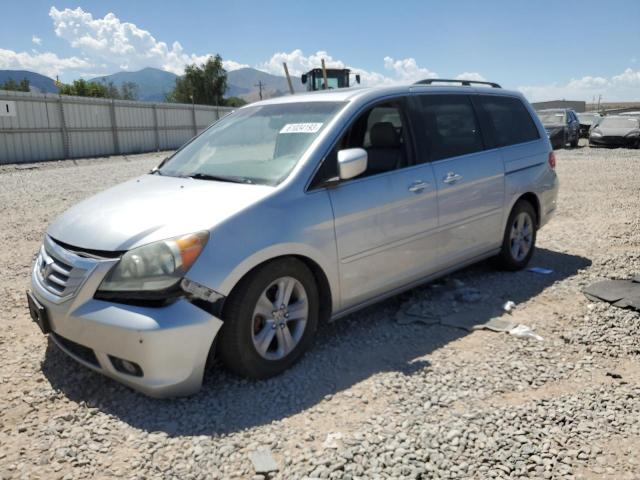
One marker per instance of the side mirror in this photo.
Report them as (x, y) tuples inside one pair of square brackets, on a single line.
[(351, 162), (303, 78)]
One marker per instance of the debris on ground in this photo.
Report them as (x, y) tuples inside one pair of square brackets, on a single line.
[(541, 270), (524, 331), (509, 306), (263, 461), (333, 440), (619, 293), (615, 375), (497, 325)]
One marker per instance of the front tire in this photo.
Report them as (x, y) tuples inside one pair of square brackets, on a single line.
[(270, 319), (575, 141), (519, 240)]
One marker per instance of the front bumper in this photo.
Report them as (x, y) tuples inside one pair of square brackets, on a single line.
[(614, 141), (170, 344)]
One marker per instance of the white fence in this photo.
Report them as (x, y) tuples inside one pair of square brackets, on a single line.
[(37, 127)]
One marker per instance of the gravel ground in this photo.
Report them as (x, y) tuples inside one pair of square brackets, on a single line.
[(376, 397)]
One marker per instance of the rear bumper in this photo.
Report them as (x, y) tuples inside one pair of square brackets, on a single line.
[(548, 198), (170, 344)]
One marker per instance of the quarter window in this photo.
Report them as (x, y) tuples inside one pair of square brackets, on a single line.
[(449, 123), (510, 119)]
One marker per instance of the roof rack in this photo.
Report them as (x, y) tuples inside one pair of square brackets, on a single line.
[(465, 83)]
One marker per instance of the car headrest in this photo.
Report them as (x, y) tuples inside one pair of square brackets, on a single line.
[(384, 135)]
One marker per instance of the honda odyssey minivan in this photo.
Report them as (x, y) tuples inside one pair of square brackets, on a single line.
[(287, 213)]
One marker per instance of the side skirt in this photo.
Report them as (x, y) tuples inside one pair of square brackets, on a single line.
[(409, 286)]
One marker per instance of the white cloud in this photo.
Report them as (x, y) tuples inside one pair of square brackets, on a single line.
[(471, 76), (404, 70), (230, 65), (45, 63), (622, 87), (37, 40), (121, 44)]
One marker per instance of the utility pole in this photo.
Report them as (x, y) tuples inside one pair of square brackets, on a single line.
[(286, 74), (260, 85)]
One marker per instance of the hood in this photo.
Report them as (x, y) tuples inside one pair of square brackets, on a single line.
[(151, 208), (614, 131)]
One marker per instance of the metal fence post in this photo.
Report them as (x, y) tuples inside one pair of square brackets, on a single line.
[(155, 126), (195, 125), (114, 128), (63, 130)]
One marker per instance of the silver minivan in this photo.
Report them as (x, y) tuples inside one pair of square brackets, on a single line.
[(284, 214)]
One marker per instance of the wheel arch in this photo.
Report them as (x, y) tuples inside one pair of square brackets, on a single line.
[(322, 282), (533, 199)]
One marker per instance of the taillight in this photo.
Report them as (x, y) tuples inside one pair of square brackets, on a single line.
[(552, 160)]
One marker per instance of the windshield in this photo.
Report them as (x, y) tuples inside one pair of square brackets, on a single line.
[(619, 122), (587, 118), (551, 118), (258, 144)]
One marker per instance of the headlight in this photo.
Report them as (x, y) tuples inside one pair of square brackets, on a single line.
[(633, 134), (154, 267), (595, 133)]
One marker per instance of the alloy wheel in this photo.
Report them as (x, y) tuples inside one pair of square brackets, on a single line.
[(521, 237), (279, 318)]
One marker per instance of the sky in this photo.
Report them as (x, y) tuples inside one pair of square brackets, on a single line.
[(548, 49)]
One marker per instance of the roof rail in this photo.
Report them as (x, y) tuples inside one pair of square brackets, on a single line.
[(465, 83)]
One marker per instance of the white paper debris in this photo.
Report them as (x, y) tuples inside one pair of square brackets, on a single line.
[(301, 128), (523, 331), (333, 440), (263, 461), (509, 306)]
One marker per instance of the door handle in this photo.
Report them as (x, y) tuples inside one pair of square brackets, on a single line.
[(452, 178), (418, 186)]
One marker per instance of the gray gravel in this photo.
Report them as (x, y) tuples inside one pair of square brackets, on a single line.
[(376, 397)]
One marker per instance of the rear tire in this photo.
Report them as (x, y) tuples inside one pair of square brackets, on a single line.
[(260, 339), (519, 240)]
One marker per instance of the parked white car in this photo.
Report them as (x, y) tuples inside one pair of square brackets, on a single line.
[(286, 213)]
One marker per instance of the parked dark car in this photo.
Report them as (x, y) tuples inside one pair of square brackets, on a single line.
[(616, 131), (562, 126), (588, 120)]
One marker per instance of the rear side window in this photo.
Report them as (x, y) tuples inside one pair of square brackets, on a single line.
[(449, 123), (511, 120)]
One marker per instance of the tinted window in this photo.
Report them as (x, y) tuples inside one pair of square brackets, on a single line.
[(511, 120), (449, 124)]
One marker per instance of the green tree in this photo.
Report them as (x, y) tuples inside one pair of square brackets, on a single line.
[(11, 84), (82, 88), (203, 84), (235, 102), (129, 91)]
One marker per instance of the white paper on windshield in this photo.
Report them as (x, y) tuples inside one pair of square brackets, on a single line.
[(301, 128)]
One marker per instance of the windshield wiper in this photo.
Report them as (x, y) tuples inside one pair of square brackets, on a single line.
[(220, 178)]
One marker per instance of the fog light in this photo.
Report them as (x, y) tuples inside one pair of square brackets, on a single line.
[(125, 366)]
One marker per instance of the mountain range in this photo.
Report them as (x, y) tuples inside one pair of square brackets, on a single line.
[(154, 84)]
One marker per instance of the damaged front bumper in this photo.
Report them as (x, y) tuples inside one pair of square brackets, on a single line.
[(159, 351)]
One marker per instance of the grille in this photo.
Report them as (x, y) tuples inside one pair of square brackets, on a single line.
[(55, 273), (60, 271), (80, 351)]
